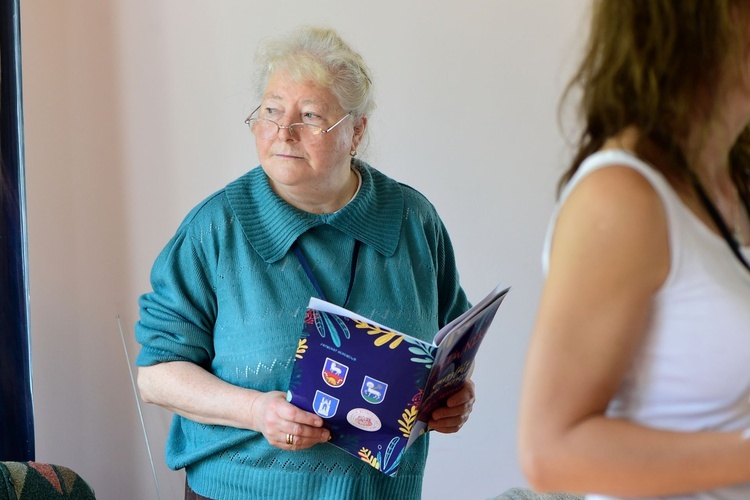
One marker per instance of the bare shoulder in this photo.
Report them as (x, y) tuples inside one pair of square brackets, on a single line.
[(614, 219), (617, 187), (619, 200)]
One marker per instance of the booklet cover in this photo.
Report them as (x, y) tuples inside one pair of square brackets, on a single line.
[(374, 387)]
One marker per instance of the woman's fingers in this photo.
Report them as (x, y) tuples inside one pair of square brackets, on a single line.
[(288, 427), (305, 438), (451, 417)]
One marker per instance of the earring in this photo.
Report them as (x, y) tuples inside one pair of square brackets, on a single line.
[(353, 153)]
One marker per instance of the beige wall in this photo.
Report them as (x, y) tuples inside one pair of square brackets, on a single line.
[(134, 113)]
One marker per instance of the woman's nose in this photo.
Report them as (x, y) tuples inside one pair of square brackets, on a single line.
[(286, 133)]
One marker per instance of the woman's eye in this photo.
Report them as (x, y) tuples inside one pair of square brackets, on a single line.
[(270, 112), (310, 117)]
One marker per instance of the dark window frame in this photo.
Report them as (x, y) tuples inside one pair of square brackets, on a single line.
[(16, 407)]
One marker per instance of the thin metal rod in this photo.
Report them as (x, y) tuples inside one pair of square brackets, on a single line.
[(138, 404)]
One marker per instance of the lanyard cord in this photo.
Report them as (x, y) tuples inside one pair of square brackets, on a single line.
[(719, 221), (311, 276)]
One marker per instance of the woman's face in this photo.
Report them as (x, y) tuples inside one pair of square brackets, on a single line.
[(303, 171)]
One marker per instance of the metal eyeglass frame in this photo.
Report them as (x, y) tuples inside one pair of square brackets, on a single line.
[(249, 120)]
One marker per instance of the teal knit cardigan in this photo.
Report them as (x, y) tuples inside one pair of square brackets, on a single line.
[(229, 296)]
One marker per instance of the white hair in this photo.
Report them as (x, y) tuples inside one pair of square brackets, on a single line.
[(321, 56)]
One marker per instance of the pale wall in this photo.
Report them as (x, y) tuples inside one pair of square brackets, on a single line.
[(134, 113)]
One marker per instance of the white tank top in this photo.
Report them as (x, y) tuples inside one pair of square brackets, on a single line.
[(693, 371)]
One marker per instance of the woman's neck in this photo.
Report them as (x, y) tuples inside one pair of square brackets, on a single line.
[(718, 119), (708, 149), (326, 200)]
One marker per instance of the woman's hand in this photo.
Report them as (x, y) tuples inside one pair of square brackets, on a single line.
[(451, 417), (284, 425)]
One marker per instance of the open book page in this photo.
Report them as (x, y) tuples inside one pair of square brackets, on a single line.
[(495, 297), (459, 342)]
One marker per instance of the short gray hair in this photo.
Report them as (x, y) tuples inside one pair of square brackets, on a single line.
[(321, 56)]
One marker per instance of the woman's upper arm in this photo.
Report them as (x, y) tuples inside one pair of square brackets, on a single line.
[(177, 317), (609, 255)]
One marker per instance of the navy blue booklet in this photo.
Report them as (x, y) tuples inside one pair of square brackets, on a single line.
[(374, 387)]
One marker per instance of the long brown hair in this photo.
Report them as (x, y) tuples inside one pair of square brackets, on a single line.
[(645, 64)]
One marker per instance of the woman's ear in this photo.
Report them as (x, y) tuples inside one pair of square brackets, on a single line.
[(360, 125)]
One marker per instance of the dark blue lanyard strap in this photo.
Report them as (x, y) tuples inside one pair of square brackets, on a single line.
[(311, 276)]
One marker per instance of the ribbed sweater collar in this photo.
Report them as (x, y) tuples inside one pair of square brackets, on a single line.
[(272, 225)]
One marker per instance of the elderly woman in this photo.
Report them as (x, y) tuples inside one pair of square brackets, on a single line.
[(220, 329)]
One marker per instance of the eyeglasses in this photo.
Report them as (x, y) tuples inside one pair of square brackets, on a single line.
[(263, 128)]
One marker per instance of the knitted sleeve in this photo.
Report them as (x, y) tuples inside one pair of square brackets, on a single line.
[(177, 317), (452, 301)]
